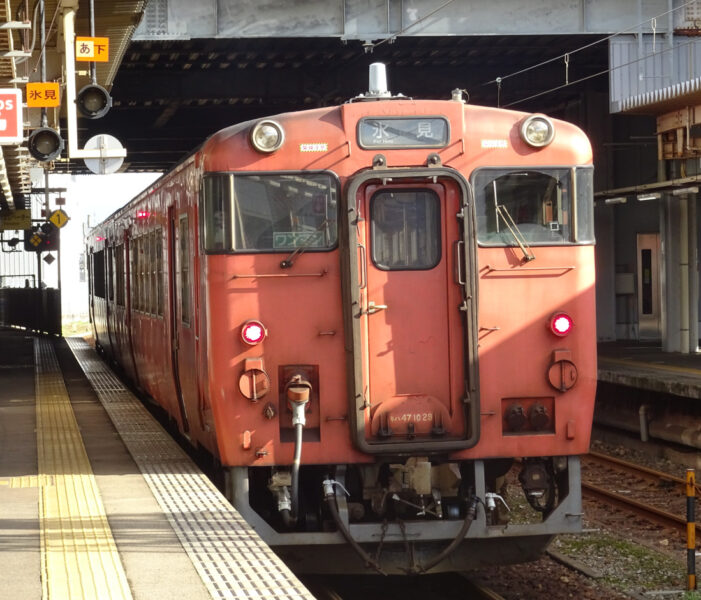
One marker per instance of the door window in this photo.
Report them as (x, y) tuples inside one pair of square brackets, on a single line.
[(406, 230)]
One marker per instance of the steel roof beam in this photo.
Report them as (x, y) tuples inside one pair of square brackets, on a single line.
[(360, 19)]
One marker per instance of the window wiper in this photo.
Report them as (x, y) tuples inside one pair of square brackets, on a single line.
[(289, 261), (503, 212)]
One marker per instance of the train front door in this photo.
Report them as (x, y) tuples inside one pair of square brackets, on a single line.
[(411, 262)]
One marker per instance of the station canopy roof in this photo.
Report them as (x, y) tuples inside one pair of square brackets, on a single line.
[(169, 95)]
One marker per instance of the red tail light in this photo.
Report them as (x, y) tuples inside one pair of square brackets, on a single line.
[(253, 332), (561, 324)]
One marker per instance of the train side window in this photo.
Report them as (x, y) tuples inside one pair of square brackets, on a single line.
[(405, 228), (135, 275), (270, 212), (119, 272), (585, 205), (139, 273), (143, 272), (184, 264), (98, 272), (110, 273), (152, 273), (537, 201)]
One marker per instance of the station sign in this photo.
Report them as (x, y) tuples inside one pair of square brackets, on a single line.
[(92, 49), (11, 122), (59, 218), (15, 220), (43, 94)]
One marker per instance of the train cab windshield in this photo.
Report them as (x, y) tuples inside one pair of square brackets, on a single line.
[(546, 206), (269, 212)]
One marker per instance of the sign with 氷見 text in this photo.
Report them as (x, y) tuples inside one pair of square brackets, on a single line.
[(43, 95)]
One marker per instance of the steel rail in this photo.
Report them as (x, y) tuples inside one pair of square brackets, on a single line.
[(652, 513), (645, 510), (634, 469)]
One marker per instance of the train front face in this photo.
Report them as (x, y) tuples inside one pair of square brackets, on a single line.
[(400, 307)]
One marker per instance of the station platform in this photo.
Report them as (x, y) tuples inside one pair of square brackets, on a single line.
[(645, 366), (98, 502)]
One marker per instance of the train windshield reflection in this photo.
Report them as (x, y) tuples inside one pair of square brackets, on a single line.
[(539, 201), (270, 213)]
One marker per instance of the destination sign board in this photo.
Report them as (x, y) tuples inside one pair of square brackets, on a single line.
[(411, 132)]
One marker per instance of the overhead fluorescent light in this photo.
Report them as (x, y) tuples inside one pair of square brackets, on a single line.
[(618, 200), (653, 196), (684, 191)]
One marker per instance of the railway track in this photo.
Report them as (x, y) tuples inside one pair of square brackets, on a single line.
[(671, 490)]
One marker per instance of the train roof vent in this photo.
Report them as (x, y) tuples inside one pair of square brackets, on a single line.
[(378, 86)]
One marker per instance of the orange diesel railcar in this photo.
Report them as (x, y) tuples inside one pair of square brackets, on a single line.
[(369, 314)]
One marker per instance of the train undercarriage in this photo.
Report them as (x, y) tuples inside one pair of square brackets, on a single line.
[(411, 515)]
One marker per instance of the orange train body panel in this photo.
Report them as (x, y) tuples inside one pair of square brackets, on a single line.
[(402, 261)]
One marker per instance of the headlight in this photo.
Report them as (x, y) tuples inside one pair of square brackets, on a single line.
[(537, 131), (267, 136)]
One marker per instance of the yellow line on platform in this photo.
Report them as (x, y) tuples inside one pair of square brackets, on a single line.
[(79, 558), (647, 365)]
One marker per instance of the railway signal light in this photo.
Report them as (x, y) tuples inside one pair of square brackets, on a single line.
[(45, 144), (93, 101), (41, 238)]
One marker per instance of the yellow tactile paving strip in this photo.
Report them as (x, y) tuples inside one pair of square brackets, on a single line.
[(79, 558), (232, 560)]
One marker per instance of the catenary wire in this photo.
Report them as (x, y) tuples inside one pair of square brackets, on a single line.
[(589, 45), (604, 72)]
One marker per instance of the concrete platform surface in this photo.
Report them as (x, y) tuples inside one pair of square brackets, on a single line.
[(643, 365), (155, 562)]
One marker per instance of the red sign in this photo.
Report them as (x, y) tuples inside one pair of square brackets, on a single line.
[(11, 122)]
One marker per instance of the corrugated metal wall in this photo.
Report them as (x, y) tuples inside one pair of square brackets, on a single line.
[(652, 71)]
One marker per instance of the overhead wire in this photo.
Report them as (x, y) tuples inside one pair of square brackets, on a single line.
[(569, 53), (604, 72)]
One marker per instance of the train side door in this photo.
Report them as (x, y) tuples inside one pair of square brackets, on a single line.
[(412, 327), (178, 268)]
